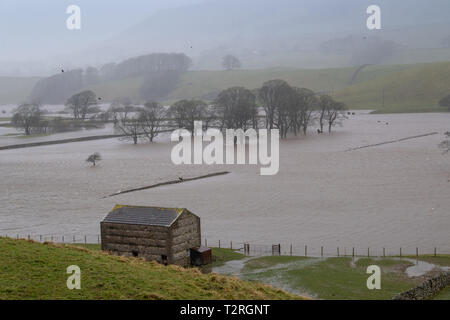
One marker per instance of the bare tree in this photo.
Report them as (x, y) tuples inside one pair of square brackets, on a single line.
[(130, 124), (230, 62), (152, 117), (277, 98), (324, 103), (185, 112), (236, 108), (117, 106), (28, 117), (80, 103), (335, 113), (306, 103), (94, 158)]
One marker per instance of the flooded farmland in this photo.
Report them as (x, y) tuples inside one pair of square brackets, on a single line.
[(393, 195)]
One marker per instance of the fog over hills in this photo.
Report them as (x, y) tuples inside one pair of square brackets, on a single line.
[(262, 33)]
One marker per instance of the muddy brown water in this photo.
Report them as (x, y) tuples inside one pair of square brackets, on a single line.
[(394, 195)]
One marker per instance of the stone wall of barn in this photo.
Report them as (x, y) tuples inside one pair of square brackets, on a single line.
[(149, 242), (185, 234)]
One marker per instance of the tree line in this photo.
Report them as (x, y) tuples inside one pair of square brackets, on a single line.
[(276, 105), (287, 108), (161, 72)]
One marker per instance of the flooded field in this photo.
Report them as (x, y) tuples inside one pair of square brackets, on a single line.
[(394, 195)]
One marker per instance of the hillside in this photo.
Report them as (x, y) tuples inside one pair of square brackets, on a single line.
[(16, 89), (31, 270), (407, 88)]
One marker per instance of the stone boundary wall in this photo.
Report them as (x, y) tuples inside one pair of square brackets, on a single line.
[(427, 289), (51, 142)]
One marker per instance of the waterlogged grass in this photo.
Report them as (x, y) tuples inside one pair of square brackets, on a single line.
[(331, 278), (221, 256), (30, 270), (440, 259)]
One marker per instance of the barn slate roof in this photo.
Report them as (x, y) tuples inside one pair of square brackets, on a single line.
[(150, 216)]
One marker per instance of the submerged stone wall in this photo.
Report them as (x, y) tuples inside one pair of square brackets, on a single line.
[(427, 289)]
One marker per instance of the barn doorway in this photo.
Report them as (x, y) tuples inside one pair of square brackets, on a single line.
[(135, 253)]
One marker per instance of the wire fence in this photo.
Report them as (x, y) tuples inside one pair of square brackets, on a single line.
[(254, 249)]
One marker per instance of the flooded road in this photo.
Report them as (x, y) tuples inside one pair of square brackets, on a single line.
[(394, 195)]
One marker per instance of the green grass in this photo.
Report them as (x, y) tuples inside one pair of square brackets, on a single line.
[(443, 295), (413, 88), (407, 88), (221, 256), (333, 278), (30, 270)]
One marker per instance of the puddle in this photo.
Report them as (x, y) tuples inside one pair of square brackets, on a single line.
[(421, 268)]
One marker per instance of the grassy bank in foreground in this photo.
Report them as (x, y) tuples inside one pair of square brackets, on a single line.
[(336, 278), (30, 270)]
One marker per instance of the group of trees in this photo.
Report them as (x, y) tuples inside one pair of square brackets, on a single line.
[(294, 109), (286, 108), (161, 72)]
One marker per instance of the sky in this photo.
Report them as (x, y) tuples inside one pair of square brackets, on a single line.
[(34, 39), (40, 25)]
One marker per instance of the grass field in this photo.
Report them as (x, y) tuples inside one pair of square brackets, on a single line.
[(335, 278), (406, 88), (31, 270)]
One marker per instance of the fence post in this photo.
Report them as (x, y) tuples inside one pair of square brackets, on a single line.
[(40, 238), (28, 237), (353, 252), (74, 239), (368, 252), (321, 251), (291, 249), (51, 238), (435, 251), (400, 252), (85, 241), (306, 251), (62, 239), (338, 251), (279, 249), (231, 245), (219, 243), (206, 242), (417, 252), (384, 252)]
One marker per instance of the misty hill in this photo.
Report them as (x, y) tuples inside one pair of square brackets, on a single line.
[(267, 33)]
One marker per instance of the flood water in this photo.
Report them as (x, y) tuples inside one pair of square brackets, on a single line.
[(394, 195)]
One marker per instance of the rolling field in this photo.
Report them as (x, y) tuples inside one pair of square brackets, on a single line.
[(32, 270), (406, 88)]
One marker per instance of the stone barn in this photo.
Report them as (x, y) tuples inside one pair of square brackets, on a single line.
[(166, 235)]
